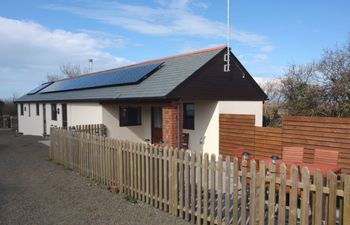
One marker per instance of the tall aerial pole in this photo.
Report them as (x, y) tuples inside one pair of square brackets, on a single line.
[(227, 55)]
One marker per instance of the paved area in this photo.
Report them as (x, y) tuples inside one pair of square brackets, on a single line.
[(34, 190)]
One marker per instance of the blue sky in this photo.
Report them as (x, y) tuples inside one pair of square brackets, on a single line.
[(38, 36)]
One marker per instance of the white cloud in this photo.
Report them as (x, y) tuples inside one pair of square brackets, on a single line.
[(201, 5), (168, 18), (267, 48), (268, 71), (253, 59), (29, 51)]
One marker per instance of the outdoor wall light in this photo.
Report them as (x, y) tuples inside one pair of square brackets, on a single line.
[(25, 108), (58, 110), (148, 141), (274, 158), (245, 155)]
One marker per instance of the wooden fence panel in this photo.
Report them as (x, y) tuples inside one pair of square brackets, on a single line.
[(268, 141), (319, 133), (236, 131), (239, 131), (190, 186)]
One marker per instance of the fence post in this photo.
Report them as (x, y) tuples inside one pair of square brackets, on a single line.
[(318, 181), (261, 194), (175, 181), (272, 194), (253, 182), (346, 210), (282, 196), (220, 175), (199, 188), (305, 197), (227, 189), (187, 185), (293, 196), (244, 192), (332, 203), (52, 142), (205, 178), (212, 188), (235, 190), (192, 176), (166, 165)]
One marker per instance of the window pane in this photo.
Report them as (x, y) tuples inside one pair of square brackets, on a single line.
[(37, 110), (22, 111), (130, 116), (188, 116), (53, 112), (157, 117)]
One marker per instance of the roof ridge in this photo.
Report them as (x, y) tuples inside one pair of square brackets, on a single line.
[(149, 61)]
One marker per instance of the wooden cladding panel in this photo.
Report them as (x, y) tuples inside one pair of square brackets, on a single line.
[(236, 131), (319, 132), (240, 131), (268, 141)]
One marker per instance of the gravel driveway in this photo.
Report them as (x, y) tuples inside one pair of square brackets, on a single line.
[(34, 190)]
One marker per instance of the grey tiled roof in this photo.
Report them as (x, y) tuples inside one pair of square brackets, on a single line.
[(174, 71)]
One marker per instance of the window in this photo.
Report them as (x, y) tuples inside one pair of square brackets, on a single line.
[(53, 112), (37, 110), (189, 116), (29, 110), (129, 116), (22, 109)]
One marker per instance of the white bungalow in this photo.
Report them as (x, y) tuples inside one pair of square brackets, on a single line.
[(168, 100)]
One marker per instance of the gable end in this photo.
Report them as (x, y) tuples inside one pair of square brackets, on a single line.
[(210, 82)]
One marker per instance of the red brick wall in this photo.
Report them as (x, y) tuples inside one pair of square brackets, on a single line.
[(170, 124)]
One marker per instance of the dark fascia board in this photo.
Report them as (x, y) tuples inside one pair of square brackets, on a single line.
[(224, 99), (109, 100), (239, 65)]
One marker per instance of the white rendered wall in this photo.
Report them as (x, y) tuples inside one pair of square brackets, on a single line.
[(84, 113), (110, 118), (53, 123), (33, 124), (205, 136)]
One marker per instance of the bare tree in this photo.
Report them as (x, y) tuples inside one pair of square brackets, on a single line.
[(301, 90), (335, 69), (70, 70), (67, 70), (272, 107), (53, 77)]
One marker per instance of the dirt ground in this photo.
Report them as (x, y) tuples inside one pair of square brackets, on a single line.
[(34, 190)]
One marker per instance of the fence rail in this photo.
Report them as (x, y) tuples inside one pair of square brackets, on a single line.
[(202, 189), (96, 129)]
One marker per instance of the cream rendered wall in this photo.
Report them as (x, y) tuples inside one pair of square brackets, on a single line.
[(243, 107), (205, 137), (84, 113), (110, 118), (33, 124)]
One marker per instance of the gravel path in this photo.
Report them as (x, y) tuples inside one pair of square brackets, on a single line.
[(36, 191)]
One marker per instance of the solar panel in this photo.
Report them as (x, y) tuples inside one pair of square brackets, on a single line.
[(37, 89), (124, 76)]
